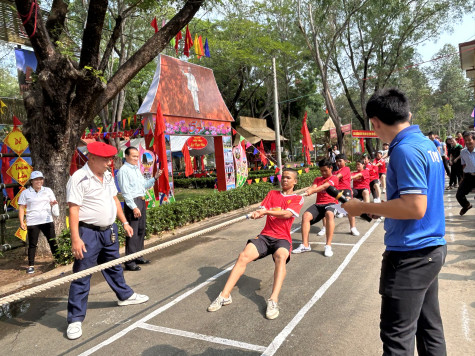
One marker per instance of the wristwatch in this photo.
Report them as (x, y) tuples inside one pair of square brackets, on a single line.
[(125, 223)]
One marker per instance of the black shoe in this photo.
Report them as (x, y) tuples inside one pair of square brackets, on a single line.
[(30, 270), (142, 261), (464, 210), (132, 268)]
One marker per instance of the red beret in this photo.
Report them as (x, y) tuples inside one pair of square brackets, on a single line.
[(101, 149)]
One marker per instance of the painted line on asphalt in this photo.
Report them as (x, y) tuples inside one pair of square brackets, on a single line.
[(279, 339), (466, 322), (201, 337), (154, 313), (333, 243)]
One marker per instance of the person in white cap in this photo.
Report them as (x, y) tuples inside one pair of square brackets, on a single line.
[(37, 201)]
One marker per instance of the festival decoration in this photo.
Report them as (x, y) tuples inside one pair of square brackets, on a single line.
[(197, 142), (16, 141), (21, 234), (14, 201), (20, 170), (307, 144)]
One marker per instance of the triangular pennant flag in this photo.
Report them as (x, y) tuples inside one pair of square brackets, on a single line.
[(2, 105), (279, 177), (248, 144), (257, 180), (256, 151), (127, 144), (154, 24), (307, 169), (249, 181), (299, 171), (264, 179), (121, 154), (301, 164), (272, 178), (16, 121), (207, 54), (241, 138), (277, 169), (151, 142), (234, 132)]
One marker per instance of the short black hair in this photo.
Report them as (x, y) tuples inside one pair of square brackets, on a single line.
[(325, 162), (291, 170), (390, 106), (360, 160), (341, 156), (468, 134), (430, 133), (385, 144), (128, 149)]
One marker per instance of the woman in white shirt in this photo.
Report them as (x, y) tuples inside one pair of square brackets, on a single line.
[(38, 201)]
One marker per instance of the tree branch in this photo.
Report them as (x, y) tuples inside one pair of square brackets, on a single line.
[(92, 35), (56, 18)]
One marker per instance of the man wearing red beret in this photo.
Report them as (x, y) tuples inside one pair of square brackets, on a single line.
[(93, 208)]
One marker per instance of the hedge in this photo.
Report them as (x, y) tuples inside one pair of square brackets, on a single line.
[(170, 216)]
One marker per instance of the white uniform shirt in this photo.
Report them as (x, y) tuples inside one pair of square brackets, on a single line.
[(468, 159), (95, 198), (38, 207)]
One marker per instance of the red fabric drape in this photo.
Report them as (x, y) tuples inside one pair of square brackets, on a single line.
[(262, 153), (6, 178), (160, 149), (362, 144), (203, 163), (188, 42), (186, 155), (307, 144)]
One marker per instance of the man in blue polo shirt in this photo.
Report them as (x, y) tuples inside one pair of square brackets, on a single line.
[(415, 229)]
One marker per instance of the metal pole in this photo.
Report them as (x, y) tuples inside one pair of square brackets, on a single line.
[(276, 115)]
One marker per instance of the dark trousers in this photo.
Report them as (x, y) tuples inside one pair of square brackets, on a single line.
[(100, 249), (456, 174), (136, 242), (410, 302), (33, 234), (446, 165), (465, 187)]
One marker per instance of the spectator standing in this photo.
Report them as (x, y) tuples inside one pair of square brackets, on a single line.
[(38, 201), (459, 139), (455, 163), (134, 186), (443, 154), (467, 157)]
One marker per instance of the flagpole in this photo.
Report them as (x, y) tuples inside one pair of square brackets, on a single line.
[(277, 124)]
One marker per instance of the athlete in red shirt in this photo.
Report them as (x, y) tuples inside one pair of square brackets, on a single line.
[(381, 164), (361, 182), (324, 207), (373, 180), (280, 208)]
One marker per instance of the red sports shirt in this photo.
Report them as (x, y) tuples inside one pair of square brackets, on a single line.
[(373, 172), (363, 182), (324, 197), (345, 181), (382, 167), (280, 228)]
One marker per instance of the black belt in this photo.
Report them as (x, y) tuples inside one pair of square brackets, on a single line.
[(94, 227)]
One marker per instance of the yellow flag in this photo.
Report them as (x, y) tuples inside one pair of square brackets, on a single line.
[(128, 121), (271, 163), (196, 45), (21, 234), (300, 172), (2, 105), (257, 180), (67, 222)]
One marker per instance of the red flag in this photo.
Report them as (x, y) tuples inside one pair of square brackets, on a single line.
[(262, 154), (202, 51), (6, 178), (188, 42), (178, 37), (362, 144), (186, 155), (135, 120), (74, 166), (202, 163), (307, 144), (16, 121), (154, 24), (160, 149), (195, 164), (123, 124)]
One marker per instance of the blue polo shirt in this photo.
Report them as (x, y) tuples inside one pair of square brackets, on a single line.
[(416, 168)]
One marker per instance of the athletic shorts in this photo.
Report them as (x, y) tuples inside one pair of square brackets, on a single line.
[(358, 193), (372, 183), (267, 245), (318, 211)]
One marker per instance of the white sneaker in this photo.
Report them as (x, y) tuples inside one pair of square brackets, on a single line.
[(133, 299), (384, 191), (219, 302), (354, 231), (302, 248), (339, 215), (328, 251), (272, 311), (376, 200), (322, 232), (74, 330)]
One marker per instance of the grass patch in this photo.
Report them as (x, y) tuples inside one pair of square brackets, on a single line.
[(185, 193)]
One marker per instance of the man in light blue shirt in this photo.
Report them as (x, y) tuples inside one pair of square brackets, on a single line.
[(133, 186), (415, 229)]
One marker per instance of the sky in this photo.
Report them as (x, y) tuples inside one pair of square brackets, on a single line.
[(463, 32)]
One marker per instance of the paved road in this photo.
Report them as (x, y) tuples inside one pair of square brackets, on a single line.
[(329, 306)]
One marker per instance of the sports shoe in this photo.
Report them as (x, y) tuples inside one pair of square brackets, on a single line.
[(302, 248), (74, 330), (272, 311), (328, 251), (384, 191), (354, 231), (322, 232), (133, 299), (219, 302), (339, 215), (30, 270), (464, 210), (376, 200)]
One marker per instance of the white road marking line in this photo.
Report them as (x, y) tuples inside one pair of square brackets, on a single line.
[(279, 339), (295, 230), (450, 232), (466, 322), (154, 313), (214, 339), (333, 243)]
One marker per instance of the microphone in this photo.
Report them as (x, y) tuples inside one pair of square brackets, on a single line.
[(338, 195)]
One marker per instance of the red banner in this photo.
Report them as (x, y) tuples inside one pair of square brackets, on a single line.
[(197, 142), (363, 134), (344, 129)]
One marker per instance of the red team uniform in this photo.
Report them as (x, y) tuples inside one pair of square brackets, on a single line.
[(362, 183), (323, 198), (382, 168), (344, 183), (280, 228), (373, 172)]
